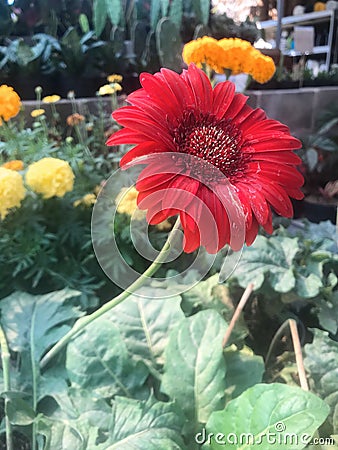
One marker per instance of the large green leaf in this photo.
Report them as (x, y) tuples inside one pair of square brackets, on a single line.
[(321, 361), (100, 15), (34, 323), (271, 259), (114, 10), (145, 324), (244, 369), (194, 370), (276, 261), (288, 413), (149, 425), (98, 360)]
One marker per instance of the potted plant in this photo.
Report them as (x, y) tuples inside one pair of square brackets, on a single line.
[(24, 64), (320, 162)]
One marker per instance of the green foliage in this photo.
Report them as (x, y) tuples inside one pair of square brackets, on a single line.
[(320, 361), (169, 45), (296, 268), (276, 408), (202, 380)]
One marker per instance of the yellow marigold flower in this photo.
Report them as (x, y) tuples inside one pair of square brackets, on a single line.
[(12, 190), (107, 89), (262, 68), (86, 200), (15, 164), (37, 112), (10, 103), (75, 119), (51, 98), (205, 50), (50, 177), (114, 78), (126, 202)]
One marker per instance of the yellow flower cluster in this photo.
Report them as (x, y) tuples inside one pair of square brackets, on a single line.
[(126, 202), (109, 89), (50, 177), (114, 78), (12, 190), (37, 112), (229, 54), (10, 103), (86, 200), (15, 164), (51, 98)]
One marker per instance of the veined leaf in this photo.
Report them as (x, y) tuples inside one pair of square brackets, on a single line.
[(98, 360), (149, 425), (35, 322), (321, 362), (195, 355), (290, 414), (145, 324)]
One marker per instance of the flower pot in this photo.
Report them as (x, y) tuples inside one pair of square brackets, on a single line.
[(317, 210)]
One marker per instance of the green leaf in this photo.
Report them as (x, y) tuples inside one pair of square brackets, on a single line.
[(328, 313), (145, 324), (36, 322), (271, 259), (176, 12), (267, 408), (114, 10), (98, 360), (100, 15), (244, 369), (19, 412), (155, 8), (321, 362), (195, 355), (149, 425)]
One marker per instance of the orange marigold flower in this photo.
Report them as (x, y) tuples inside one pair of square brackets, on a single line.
[(75, 119), (237, 54), (10, 103), (205, 50), (15, 164), (262, 67)]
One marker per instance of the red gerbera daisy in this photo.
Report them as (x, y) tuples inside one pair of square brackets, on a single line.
[(208, 155)]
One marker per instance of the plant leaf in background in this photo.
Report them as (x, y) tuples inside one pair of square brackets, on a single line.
[(34, 323), (195, 355), (321, 362), (145, 323), (98, 360), (244, 369), (149, 425), (268, 408)]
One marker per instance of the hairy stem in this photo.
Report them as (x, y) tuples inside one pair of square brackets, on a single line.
[(84, 321), (5, 359)]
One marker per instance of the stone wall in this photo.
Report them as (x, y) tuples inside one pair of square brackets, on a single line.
[(297, 108)]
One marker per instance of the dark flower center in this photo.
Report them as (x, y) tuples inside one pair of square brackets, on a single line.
[(215, 141)]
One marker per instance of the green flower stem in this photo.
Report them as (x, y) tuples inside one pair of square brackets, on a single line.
[(5, 359), (84, 321)]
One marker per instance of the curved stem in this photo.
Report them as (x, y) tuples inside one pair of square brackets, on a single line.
[(5, 358), (84, 321)]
